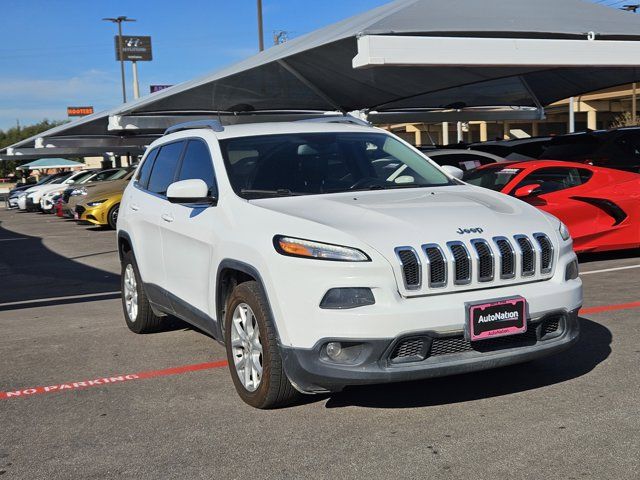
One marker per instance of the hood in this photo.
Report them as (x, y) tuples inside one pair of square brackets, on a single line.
[(107, 186), (385, 220)]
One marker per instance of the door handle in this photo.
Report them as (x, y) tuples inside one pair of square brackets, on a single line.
[(134, 207), (167, 218)]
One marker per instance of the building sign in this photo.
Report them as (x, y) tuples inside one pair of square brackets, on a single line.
[(134, 49), (79, 111), (157, 88)]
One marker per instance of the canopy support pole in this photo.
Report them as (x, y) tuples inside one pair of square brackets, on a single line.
[(311, 86), (533, 96)]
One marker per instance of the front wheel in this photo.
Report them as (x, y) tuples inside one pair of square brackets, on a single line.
[(252, 350), (112, 216)]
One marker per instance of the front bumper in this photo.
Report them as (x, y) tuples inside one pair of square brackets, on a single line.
[(30, 204), (387, 360), (95, 215)]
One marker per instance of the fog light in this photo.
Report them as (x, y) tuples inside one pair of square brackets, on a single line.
[(344, 298), (346, 353), (334, 349), (572, 271)]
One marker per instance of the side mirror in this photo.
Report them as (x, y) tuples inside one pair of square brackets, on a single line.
[(455, 172), (190, 191), (527, 190)]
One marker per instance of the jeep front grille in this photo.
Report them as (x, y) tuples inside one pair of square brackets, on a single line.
[(411, 267), (477, 261)]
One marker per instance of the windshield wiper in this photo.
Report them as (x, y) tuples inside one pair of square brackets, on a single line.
[(281, 192)]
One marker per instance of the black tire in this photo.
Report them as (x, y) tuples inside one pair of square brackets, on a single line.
[(145, 320), (112, 216), (275, 389)]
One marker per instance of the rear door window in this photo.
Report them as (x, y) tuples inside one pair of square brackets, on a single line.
[(164, 168), (197, 164)]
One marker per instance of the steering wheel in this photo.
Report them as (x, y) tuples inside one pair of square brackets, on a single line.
[(368, 182)]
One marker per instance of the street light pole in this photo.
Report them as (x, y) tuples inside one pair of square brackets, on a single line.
[(124, 90), (119, 21), (260, 31)]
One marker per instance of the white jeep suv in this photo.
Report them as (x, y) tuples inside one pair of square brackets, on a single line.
[(327, 254)]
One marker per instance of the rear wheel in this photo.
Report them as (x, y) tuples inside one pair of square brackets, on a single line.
[(135, 304), (112, 216), (252, 350)]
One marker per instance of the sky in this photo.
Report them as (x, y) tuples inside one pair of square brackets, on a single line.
[(59, 53)]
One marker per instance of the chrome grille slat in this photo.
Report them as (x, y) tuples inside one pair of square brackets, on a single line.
[(411, 267), (528, 255), (436, 265), (461, 263), (507, 257), (546, 252), (485, 259)]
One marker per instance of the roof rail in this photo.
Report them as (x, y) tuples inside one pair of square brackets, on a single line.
[(338, 119), (214, 125)]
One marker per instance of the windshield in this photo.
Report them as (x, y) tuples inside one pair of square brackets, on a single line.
[(315, 163), (62, 178), (494, 178)]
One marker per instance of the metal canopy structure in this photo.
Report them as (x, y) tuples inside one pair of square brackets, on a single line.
[(409, 59)]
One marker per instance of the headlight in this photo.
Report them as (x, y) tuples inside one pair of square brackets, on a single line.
[(96, 203), (297, 247), (564, 232), (78, 191)]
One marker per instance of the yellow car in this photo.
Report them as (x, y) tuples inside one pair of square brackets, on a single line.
[(100, 209)]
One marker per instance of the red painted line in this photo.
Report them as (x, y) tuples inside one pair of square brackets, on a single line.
[(609, 308), (102, 381)]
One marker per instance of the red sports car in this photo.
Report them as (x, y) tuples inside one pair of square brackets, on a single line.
[(600, 206)]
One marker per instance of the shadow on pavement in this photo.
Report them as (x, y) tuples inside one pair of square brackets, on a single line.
[(602, 256), (29, 271), (592, 348)]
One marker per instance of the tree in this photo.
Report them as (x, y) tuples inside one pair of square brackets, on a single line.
[(16, 134), (625, 119)]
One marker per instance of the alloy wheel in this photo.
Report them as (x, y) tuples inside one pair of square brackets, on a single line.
[(131, 293), (246, 347)]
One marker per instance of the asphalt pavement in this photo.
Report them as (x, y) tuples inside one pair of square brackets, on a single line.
[(83, 397)]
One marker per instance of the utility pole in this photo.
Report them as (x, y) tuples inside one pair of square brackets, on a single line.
[(119, 21), (260, 31)]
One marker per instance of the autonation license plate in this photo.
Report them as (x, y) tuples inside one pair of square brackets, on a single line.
[(498, 318)]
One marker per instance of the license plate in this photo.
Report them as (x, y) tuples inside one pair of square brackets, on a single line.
[(498, 318), (76, 216)]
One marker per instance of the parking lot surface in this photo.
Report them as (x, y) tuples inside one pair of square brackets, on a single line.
[(83, 397)]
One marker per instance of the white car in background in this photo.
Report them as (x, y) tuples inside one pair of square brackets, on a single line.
[(328, 254), (29, 200)]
